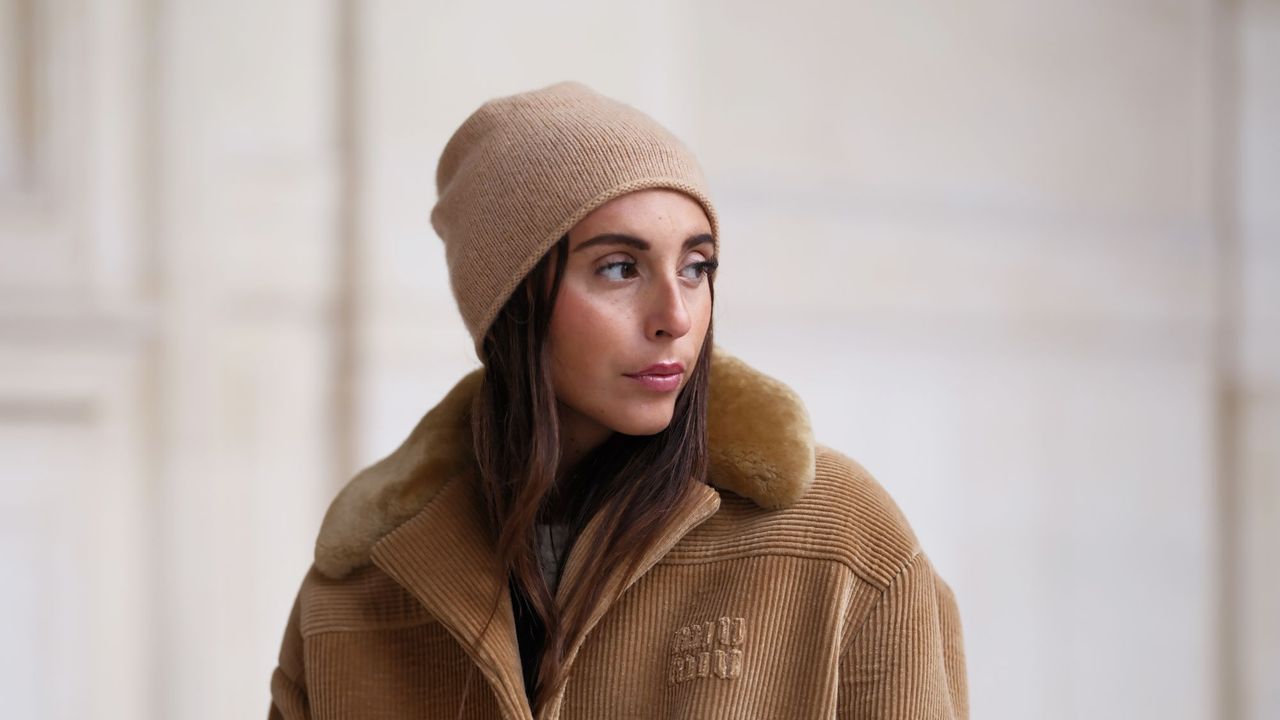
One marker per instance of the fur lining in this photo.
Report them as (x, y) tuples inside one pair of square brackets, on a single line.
[(760, 440)]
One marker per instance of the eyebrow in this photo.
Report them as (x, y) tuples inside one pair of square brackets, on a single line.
[(638, 243)]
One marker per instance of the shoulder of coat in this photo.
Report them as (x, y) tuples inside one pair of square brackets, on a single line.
[(874, 534), (387, 493), (846, 515)]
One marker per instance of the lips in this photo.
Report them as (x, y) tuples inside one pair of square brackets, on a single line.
[(664, 377), (659, 370)]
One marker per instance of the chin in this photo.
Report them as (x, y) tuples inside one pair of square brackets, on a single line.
[(644, 423)]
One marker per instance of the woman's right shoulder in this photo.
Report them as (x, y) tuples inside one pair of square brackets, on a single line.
[(386, 493)]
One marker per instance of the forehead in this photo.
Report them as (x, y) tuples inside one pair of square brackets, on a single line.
[(656, 209)]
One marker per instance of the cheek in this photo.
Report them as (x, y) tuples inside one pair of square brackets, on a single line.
[(583, 327)]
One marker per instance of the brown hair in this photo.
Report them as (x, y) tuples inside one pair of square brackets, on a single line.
[(632, 481)]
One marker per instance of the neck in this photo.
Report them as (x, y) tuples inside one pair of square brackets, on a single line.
[(579, 435)]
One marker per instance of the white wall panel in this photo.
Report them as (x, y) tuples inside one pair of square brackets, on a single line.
[(74, 532), (246, 216)]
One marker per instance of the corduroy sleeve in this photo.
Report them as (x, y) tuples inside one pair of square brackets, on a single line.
[(288, 681), (906, 661)]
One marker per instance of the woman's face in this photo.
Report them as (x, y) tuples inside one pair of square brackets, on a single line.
[(633, 294)]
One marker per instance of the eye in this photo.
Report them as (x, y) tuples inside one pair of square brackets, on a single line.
[(624, 264), (704, 267)]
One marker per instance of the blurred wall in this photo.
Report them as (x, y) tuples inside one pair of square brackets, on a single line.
[(1020, 260)]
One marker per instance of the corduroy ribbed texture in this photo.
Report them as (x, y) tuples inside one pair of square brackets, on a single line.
[(827, 608), (523, 169)]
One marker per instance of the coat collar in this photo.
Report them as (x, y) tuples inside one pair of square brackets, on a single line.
[(759, 437)]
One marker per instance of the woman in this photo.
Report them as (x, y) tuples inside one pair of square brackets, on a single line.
[(612, 517)]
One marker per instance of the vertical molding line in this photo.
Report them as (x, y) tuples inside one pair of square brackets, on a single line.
[(152, 291), (30, 30), (346, 293), (1224, 177)]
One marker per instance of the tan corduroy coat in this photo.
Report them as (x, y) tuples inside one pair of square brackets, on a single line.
[(794, 588)]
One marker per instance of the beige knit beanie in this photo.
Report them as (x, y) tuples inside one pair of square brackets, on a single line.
[(523, 169)]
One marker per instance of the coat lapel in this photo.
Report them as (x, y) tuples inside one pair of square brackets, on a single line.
[(444, 556)]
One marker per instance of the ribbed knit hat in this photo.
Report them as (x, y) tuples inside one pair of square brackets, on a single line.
[(523, 169)]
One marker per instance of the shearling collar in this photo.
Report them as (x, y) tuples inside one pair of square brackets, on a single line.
[(759, 436)]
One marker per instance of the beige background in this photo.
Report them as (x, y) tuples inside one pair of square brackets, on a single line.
[(1022, 260)]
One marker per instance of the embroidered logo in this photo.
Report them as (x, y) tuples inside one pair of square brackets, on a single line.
[(707, 649)]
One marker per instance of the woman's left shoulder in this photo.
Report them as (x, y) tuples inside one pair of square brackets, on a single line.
[(788, 493), (848, 515)]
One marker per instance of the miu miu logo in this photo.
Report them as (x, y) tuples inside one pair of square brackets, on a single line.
[(708, 649)]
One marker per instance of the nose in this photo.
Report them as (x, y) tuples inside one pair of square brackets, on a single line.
[(668, 315)]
